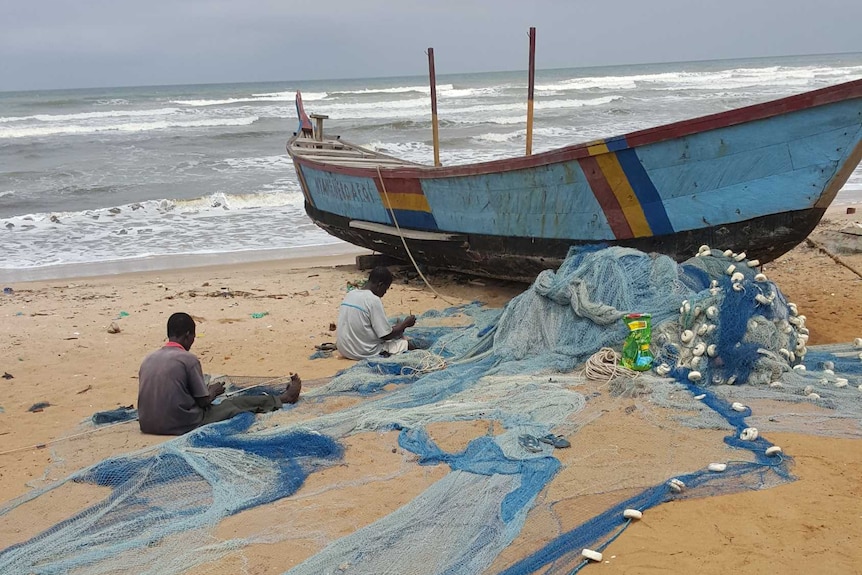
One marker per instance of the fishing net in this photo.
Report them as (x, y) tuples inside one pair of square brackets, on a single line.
[(430, 461)]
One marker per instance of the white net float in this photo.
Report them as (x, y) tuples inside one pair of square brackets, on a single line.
[(591, 555)]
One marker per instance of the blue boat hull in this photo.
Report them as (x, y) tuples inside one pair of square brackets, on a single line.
[(757, 179)]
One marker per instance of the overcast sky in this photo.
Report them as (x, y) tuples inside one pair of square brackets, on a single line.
[(89, 43)]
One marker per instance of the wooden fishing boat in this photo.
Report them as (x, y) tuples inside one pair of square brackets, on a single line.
[(756, 179)]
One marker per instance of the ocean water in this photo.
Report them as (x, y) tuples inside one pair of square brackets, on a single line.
[(134, 176)]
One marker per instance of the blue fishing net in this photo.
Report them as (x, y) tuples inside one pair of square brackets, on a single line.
[(729, 352)]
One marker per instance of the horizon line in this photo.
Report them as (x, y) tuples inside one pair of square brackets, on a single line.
[(354, 78)]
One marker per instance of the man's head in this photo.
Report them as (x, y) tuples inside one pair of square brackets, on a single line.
[(181, 329), (379, 281)]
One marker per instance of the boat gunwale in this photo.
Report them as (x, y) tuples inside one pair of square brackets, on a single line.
[(764, 110)]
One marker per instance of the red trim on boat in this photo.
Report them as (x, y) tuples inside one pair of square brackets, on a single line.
[(606, 198), (399, 185), (829, 95)]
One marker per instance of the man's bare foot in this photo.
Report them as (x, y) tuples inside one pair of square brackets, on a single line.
[(291, 394)]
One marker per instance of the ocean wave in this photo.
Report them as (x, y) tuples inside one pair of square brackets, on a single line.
[(519, 135), (289, 96), (453, 111), (505, 120), (152, 210), (90, 115), (225, 201), (539, 105), (263, 163), (394, 90), (470, 93), (132, 234), (450, 155), (41, 131), (112, 102), (497, 137), (711, 80)]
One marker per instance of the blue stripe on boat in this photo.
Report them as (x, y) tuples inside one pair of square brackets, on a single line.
[(647, 195), (617, 143), (415, 219)]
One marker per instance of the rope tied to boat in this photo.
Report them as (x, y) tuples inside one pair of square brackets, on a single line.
[(404, 242)]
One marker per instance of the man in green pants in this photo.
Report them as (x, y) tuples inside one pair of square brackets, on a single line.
[(173, 397)]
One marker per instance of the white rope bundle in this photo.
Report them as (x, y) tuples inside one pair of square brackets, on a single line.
[(604, 365), (429, 362)]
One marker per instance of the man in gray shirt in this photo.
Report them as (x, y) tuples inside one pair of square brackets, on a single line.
[(363, 328), (173, 397)]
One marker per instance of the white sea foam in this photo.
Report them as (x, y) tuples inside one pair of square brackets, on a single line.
[(469, 93), (514, 119), (215, 223), (454, 111), (520, 135), (289, 96), (147, 210), (41, 131), (712, 80), (112, 102), (520, 107), (91, 115), (396, 90), (412, 151), (279, 164), (498, 137)]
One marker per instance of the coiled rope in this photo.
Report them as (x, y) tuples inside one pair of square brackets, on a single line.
[(604, 365)]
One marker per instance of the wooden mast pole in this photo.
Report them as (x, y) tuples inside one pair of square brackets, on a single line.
[(434, 128), (531, 86)]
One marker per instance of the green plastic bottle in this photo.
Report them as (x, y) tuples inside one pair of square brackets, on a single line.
[(636, 353)]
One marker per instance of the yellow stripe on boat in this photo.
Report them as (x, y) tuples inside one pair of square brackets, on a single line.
[(597, 149), (629, 203), (414, 202)]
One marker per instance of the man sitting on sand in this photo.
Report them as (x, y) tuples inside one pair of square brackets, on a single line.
[(363, 329), (172, 396)]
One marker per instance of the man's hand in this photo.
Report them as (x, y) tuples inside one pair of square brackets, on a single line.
[(410, 321), (216, 389)]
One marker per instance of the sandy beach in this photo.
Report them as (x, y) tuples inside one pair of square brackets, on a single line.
[(264, 318)]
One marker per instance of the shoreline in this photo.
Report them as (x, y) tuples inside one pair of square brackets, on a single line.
[(300, 256), (337, 253)]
